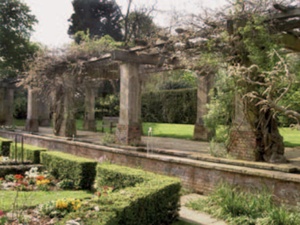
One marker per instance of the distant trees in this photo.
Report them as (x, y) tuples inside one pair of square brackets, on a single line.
[(16, 25), (96, 18)]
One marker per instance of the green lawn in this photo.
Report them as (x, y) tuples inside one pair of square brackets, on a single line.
[(34, 198), (185, 131)]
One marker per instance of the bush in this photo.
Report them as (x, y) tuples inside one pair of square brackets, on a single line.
[(115, 176), (240, 207), (31, 153), (147, 199), (4, 146), (66, 166), (171, 106)]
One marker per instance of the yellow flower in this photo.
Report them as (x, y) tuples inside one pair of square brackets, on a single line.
[(42, 182)]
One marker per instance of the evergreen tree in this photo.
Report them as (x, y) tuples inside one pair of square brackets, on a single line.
[(96, 18), (16, 24)]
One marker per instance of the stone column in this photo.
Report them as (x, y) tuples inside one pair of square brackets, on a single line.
[(89, 122), (32, 121), (129, 127), (44, 113), (64, 111), (6, 105), (205, 83)]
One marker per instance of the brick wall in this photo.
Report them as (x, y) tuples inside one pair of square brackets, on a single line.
[(241, 147)]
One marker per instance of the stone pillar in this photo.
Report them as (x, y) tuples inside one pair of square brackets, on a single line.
[(64, 123), (6, 105), (89, 122), (204, 85), (32, 121), (243, 144), (129, 127), (44, 113)]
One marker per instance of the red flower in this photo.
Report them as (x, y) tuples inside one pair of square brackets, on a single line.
[(1, 213), (18, 177)]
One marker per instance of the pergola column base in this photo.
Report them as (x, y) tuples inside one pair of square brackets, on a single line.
[(45, 122), (243, 145), (32, 125), (202, 133), (89, 125), (128, 134)]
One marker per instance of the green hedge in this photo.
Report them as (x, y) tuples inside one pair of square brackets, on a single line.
[(31, 153), (148, 199), (61, 165), (170, 106), (4, 146)]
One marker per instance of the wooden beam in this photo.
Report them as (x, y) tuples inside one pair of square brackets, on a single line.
[(132, 57), (285, 15), (291, 42)]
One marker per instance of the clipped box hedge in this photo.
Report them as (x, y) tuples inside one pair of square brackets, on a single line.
[(31, 153), (4, 146), (62, 166), (148, 199)]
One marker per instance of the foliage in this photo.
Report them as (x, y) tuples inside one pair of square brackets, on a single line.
[(116, 176), (171, 106), (16, 25), (108, 138), (60, 207), (20, 104), (4, 146), (239, 207), (65, 166), (139, 25), (258, 76), (221, 106), (108, 105), (96, 18), (150, 198), (178, 79), (30, 152)]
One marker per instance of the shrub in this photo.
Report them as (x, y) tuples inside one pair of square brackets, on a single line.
[(146, 199), (31, 153), (4, 146), (62, 166), (170, 106)]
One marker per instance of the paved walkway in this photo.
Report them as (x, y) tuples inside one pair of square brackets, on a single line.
[(195, 217)]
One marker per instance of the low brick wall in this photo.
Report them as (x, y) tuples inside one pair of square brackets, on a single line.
[(199, 176)]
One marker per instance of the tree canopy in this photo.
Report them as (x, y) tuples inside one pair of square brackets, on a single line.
[(16, 25), (96, 18)]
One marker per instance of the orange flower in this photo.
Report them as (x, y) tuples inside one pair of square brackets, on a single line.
[(40, 177)]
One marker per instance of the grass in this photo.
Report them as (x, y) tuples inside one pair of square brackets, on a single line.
[(34, 198), (185, 131), (291, 137), (236, 207)]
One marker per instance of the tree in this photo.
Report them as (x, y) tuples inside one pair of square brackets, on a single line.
[(251, 44), (96, 18), (16, 25)]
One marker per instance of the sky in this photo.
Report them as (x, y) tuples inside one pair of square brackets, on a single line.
[(53, 15)]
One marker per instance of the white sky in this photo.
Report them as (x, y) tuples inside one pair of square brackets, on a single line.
[(53, 15)]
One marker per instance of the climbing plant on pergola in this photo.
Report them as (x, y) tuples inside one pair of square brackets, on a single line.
[(58, 74)]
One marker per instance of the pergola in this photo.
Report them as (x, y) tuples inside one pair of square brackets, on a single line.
[(165, 52)]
